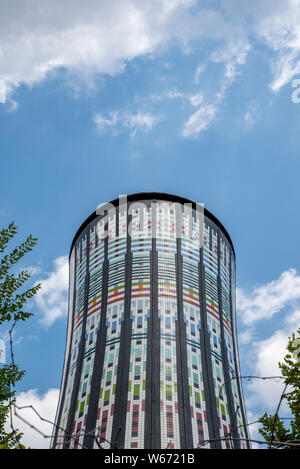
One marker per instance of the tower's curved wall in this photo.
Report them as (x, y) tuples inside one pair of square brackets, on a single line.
[(151, 354)]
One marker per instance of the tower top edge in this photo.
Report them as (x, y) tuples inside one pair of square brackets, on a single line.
[(139, 196)]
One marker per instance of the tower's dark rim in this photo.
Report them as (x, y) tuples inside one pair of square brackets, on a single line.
[(156, 196)]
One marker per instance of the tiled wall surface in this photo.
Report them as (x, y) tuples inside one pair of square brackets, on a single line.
[(137, 301)]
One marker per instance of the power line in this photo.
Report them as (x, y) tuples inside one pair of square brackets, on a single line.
[(75, 437), (278, 406), (292, 443), (246, 377)]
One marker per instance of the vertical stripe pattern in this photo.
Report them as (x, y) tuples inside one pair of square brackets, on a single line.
[(151, 358)]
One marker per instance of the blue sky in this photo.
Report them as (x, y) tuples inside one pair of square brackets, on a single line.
[(194, 98)]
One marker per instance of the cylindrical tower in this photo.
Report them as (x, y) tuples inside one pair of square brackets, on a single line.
[(151, 356)]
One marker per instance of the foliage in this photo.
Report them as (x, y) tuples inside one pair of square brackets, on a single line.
[(273, 428), (11, 309), (9, 375)]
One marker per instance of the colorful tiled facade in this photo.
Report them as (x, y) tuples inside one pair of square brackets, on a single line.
[(151, 356)]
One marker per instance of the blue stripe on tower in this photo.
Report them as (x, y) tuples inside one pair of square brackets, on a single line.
[(184, 412), (227, 381), (208, 381), (152, 435), (238, 381), (120, 406), (75, 392), (66, 372), (99, 356)]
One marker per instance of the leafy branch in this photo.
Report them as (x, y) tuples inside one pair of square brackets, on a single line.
[(12, 308), (272, 427)]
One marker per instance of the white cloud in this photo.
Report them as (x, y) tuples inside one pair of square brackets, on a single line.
[(2, 351), (294, 319), (245, 337), (85, 39), (92, 38), (174, 94), (140, 121), (12, 105), (199, 121), (252, 114), (45, 405), (134, 121), (109, 122), (196, 99), (199, 71), (265, 301), (33, 269), (193, 99), (2, 91), (52, 299), (253, 427), (275, 24), (168, 94), (263, 355), (232, 56), (266, 355), (281, 33)]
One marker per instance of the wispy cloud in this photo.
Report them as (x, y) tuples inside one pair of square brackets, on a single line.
[(86, 40), (196, 99), (267, 300), (139, 121), (276, 25), (252, 114), (280, 296), (34, 270), (52, 298), (231, 56), (97, 39), (168, 94), (193, 99), (107, 122), (174, 94), (2, 91), (45, 405), (265, 356), (199, 70), (199, 121)]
